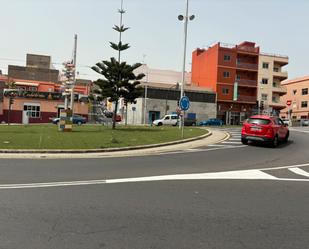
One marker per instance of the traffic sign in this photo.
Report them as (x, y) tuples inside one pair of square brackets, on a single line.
[(288, 102), (184, 103)]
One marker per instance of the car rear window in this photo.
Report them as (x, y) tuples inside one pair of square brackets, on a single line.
[(258, 121)]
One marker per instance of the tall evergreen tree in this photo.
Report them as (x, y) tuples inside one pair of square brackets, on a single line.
[(119, 79)]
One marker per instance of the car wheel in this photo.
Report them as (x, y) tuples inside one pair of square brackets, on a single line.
[(275, 141), (159, 124), (193, 124), (79, 123), (244, 141), (286, 139)]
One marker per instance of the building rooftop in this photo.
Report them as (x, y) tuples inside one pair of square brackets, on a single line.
[(296, 80), (173, 86), (162, 76)]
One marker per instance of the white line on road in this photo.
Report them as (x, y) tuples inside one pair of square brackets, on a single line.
[(252, 174), (299, 171), (227, 142)]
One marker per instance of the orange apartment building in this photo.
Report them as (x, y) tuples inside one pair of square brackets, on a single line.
[(232, 72)]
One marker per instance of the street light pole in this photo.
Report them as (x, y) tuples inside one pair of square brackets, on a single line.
[(186, 18)]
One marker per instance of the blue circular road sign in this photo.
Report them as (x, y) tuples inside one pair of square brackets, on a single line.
[(184, 103)]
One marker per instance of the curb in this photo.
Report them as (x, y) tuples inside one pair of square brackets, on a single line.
[(8, 151)]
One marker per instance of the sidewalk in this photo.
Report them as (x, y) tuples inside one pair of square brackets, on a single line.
[(214, 136)]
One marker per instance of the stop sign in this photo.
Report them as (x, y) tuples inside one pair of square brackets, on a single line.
[(288, 102)]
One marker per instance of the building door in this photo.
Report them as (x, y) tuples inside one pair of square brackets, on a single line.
[(153, 115), (25, 117), (59, 110)]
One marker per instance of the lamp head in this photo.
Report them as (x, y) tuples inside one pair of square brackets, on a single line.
[(180, 17)]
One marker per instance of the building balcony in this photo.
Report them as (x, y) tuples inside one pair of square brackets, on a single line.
[(282, 75), (247, 66), (247, 49), (246, 83), (246, 98), (279, 89), (277, 104)]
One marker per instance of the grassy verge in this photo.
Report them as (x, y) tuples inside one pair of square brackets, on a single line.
[(88, 136)]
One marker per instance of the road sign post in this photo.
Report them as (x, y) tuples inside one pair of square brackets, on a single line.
[(184, 105)]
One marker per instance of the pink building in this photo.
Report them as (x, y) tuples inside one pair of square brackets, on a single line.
[(298, 98)]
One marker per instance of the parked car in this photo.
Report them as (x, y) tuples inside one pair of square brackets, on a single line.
[(262, 128), (190, 122), (77, 119), (304, 122), (170, 119), (287, 122), (212, 121)]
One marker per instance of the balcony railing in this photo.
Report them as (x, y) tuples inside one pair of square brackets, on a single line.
[(246, 82), (281, 74), (276, 102), (279, 89), (247, 49), (246, 98), (245, 65)]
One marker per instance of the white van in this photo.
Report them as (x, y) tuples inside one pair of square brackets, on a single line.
[(170, 119)]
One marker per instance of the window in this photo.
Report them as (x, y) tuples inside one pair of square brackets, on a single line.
[(225, 91), (264, 81), (227, 57), (33, 89), (226, 74), (304, 91), (275, 100), (33, 110), (304, 104), (174, 117), (21, 88), (276, 69), (238, 77), (167, 118), (264, 96), (265, 65), (294, 92), (258, 121)]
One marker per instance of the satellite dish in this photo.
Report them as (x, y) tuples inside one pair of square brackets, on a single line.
[(192, 17), (180, 17)]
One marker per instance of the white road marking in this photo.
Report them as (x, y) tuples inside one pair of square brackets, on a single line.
[(218, 145), (231, 142), (235, 175), (234, 139), (244, 174), (299, 171), (252, 174)]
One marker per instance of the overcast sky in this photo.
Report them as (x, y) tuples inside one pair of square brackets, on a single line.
[(155, 35)]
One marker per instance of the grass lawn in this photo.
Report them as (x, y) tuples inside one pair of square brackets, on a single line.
[(88, 136)]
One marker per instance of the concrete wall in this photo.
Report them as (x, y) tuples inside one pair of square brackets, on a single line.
[(203, 110)]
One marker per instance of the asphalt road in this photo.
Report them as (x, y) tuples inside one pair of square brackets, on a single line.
[(253, 205)]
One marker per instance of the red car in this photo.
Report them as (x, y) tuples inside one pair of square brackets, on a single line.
[(262, 128)]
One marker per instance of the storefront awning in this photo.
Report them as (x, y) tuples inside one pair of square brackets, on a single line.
[(26, 84)]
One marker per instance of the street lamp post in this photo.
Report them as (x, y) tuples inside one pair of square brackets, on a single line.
[(185, 18)]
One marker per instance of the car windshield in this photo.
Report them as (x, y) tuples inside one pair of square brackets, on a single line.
[(258, 121)]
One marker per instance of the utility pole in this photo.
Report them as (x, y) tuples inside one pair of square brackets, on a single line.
[(74, 73), (186, 18)]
